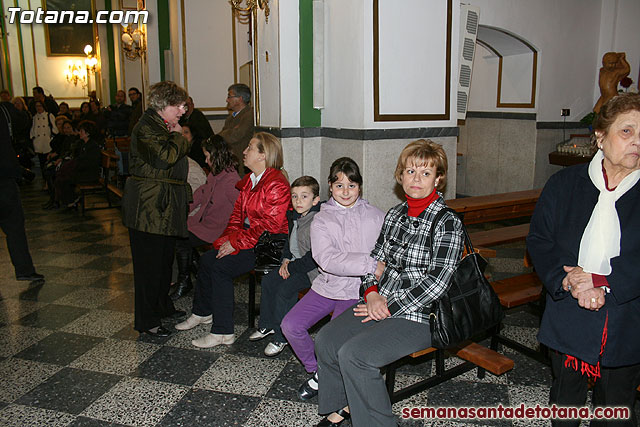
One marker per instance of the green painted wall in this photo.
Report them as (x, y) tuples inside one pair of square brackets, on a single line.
[(164, 38), (309, 116), (111, 54)]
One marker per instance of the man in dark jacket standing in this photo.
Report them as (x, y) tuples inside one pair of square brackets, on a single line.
[(118, 115), (238, 126), (11, 213), (197, 122)]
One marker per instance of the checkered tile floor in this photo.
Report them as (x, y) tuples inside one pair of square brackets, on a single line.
[(69, 354)]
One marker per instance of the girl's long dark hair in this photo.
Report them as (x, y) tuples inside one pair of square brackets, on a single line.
[(221, 157)]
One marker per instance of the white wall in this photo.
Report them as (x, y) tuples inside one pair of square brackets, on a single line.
[(566, 35), (289, 60), (349, 63), (269, 66)]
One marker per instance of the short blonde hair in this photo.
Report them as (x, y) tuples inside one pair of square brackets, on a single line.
[(424, 152), (272, 149)]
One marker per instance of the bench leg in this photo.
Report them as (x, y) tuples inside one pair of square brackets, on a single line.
[(390, 379), (252, 299)]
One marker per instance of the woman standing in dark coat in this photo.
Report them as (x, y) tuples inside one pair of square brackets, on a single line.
[(584, 241), (155, 202)]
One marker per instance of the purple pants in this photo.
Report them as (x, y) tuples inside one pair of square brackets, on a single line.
[(306, 313)]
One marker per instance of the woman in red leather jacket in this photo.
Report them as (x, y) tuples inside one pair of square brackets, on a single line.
[(262, 205)]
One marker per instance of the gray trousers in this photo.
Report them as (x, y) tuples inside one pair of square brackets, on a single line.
[(350, 354)]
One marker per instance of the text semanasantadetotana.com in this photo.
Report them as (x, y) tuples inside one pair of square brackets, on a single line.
[(516, 412)]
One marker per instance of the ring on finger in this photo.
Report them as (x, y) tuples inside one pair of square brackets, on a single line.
[(593, 300)]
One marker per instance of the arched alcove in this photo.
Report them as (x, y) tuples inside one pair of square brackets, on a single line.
[(504, 70)]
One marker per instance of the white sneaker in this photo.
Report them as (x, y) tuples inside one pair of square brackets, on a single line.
[(212, 340), (274, 348), (193, 321), (260, 333)]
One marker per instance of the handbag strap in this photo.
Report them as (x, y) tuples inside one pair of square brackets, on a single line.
[(467, 240)]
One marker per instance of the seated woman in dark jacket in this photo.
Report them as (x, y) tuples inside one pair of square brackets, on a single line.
[(210, 210), (261, 206), (84, 167)]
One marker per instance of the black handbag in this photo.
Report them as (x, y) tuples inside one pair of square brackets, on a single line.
[(268, 250), (469, 306)]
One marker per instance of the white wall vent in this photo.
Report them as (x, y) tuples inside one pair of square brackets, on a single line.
[(469, 16)]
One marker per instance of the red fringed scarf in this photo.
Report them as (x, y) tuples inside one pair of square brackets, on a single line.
[(592, 372)]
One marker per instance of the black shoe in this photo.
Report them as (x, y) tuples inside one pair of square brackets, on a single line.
[(180, 289), (30, 277), (160, 332), (51, 205), (177, 315), (309, 388), (326, 423), (48, 205)]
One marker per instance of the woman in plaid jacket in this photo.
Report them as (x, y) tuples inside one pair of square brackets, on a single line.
[(393, 319)]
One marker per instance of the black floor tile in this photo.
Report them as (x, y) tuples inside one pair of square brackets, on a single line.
[(59, 348), (46, 292), (98, 249), (107, 263), (464, 393), (52, 316), (210, 408), (122, 302), (80, 387), (91, 422), (176, 365), (117, 281), (89, 238), (244, 347), (288, 382)]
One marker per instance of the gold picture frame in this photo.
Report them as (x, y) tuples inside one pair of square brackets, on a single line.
[(69, 39)]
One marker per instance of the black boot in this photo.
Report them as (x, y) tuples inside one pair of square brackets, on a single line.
[(183, 285)]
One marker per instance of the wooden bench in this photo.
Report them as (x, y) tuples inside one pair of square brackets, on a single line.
[(495, 207), (110, 164), (498, 236), (474, 355), (514, 292)]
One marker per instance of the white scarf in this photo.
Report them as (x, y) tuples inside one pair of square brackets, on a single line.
[(601, 238)]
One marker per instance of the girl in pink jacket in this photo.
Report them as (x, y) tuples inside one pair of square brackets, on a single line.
[(343, 234)]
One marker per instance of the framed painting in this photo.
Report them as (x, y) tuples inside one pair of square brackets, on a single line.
[(68, 39)]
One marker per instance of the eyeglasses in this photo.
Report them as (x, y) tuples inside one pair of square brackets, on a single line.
[(233, 96)]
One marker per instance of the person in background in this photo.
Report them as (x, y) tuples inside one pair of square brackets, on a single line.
[(49, 103), (261, 206), (238, 126), (83, 168), (210, 210), (98, 116), (65, 111), (154, 204), (584, 241), (21, 122), (118, 115), (5, 95), (280, 287), (136, 107), (11, 213), (42, 131), (196, 120)]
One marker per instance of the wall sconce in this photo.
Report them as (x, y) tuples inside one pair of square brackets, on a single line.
[(133, 42), (91, 62), (76, 73), (245, 12)]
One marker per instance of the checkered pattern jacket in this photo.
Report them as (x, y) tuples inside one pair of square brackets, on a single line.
[(417, 271)]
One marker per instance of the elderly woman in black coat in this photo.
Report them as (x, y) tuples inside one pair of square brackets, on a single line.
[(155, 204), (584, 241)]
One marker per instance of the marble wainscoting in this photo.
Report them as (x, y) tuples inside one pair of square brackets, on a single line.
[(311, 152)]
